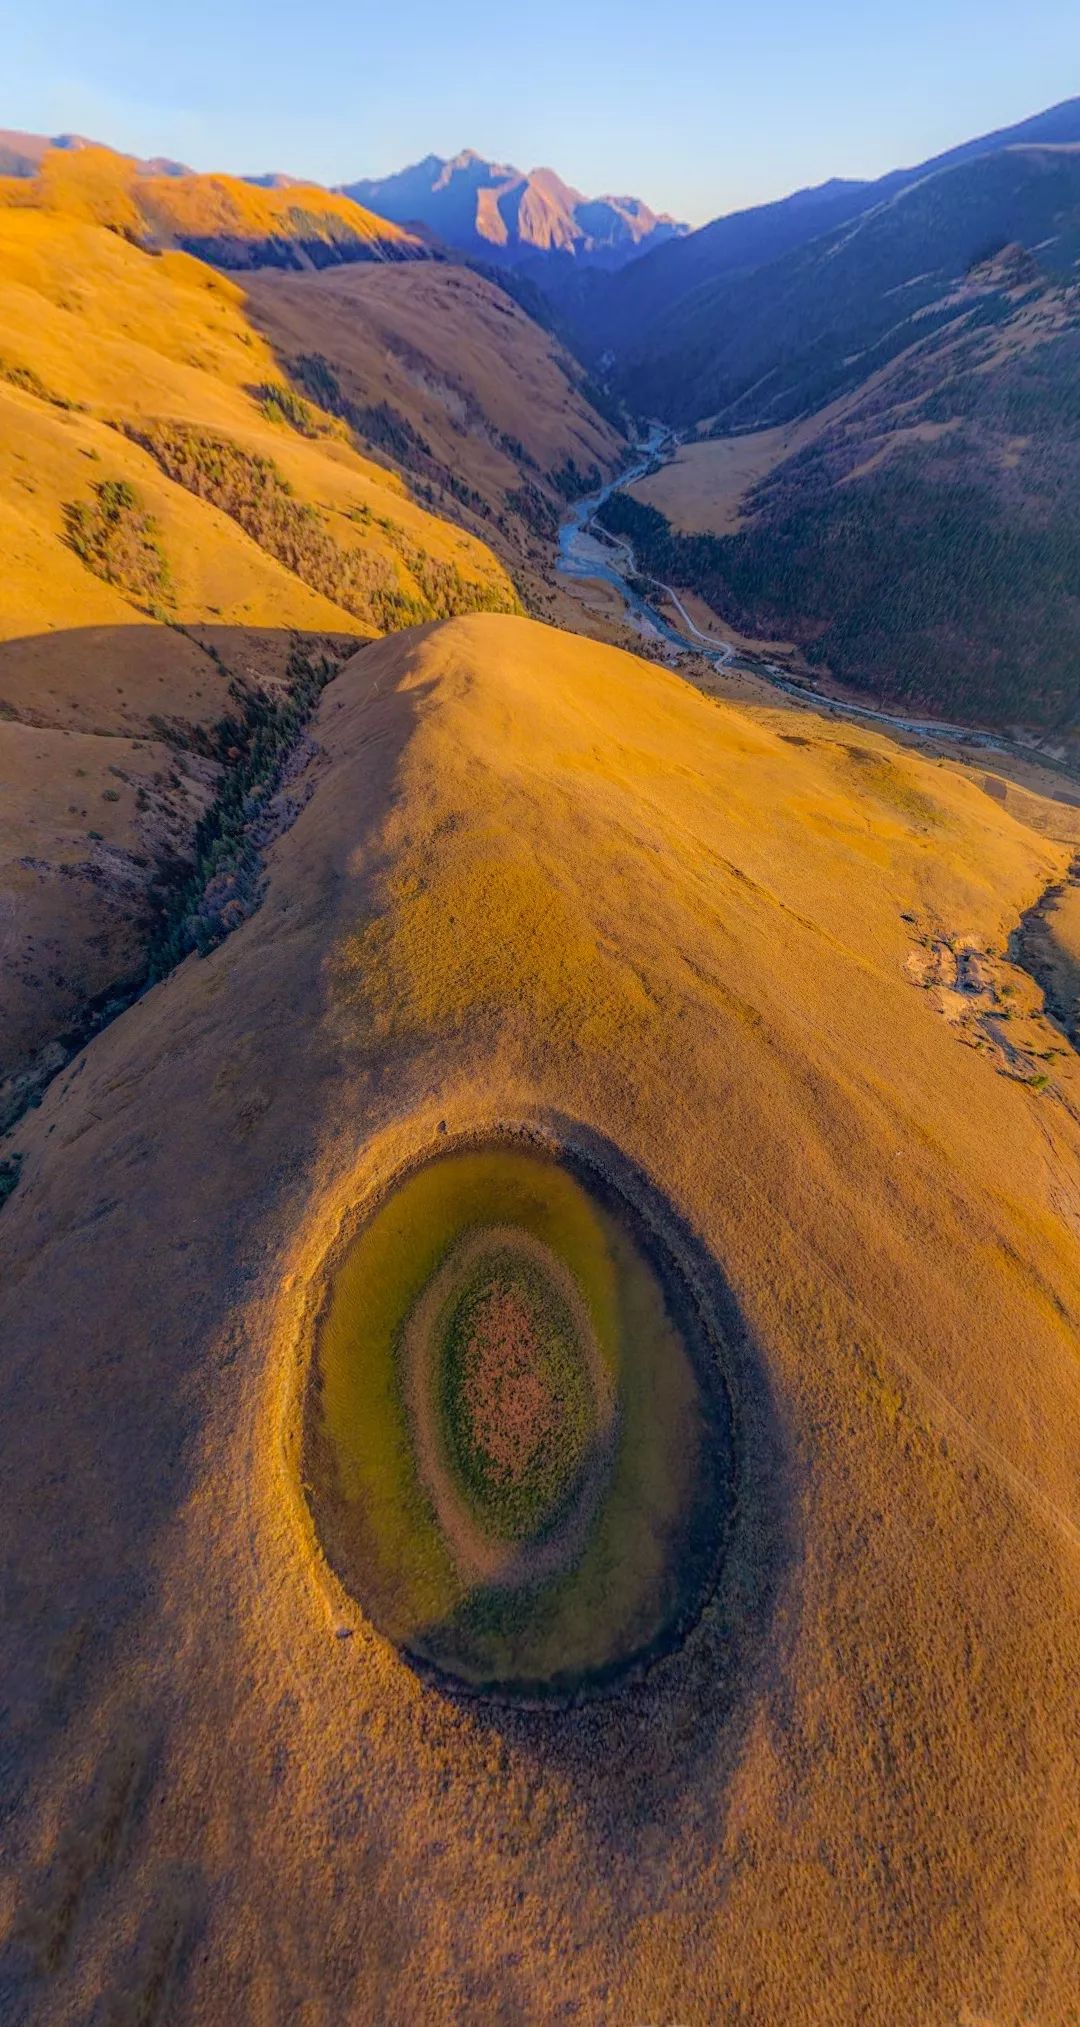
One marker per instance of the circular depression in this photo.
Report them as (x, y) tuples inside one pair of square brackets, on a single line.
[(517, 1442)]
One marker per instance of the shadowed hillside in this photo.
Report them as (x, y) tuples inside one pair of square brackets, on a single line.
[(621, 311), (923, 542), (769, 345)]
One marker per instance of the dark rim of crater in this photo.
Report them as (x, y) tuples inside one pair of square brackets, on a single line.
[(692, 1286)]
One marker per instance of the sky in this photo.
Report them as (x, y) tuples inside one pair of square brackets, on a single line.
[(696, 105)]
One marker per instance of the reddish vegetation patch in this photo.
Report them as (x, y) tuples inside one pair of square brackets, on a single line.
[(513, 1408)]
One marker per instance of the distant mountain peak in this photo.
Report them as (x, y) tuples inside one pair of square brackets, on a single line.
[(496, 212), (22, 154)]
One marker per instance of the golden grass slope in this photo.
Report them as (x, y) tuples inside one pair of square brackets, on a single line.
[(98, 337), (493, 401), (79, 829), (134, 339), (701, 489), (221, 218), (540, 880)]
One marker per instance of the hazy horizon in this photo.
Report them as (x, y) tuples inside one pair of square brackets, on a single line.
[(699, 114)]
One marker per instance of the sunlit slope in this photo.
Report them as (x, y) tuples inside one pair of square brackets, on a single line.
[(220, 218), (448, 379), (137, 380), (540, 879), (97, 338)]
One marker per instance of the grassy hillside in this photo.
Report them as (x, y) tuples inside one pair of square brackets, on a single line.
[(760, 957), (222, 219), (448, 381), (618, 313), (181, 559), (762, 347), (924, 544), (899, 392)]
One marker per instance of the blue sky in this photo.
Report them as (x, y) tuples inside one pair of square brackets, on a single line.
[(697, 105)]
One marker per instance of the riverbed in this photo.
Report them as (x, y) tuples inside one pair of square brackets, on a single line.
[(586, 553)]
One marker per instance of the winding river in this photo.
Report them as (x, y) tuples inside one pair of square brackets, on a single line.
[(586, 553)]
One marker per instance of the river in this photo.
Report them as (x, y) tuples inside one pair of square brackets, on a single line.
[(585, 554)]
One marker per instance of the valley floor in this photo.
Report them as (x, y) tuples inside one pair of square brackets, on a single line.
[(616, 602)]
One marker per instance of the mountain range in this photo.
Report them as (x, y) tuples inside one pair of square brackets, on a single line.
[(494, 212), (465, 205), (776, 338), (742, 241)]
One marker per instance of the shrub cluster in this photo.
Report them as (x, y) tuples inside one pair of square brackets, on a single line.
[(376, 423), (534, 508), (115, 536), (252, 489), (31, 382), (197, 907), (572, 482), (282, 404)]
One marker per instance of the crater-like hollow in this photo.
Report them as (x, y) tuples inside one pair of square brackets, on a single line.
[(519, 1442)]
